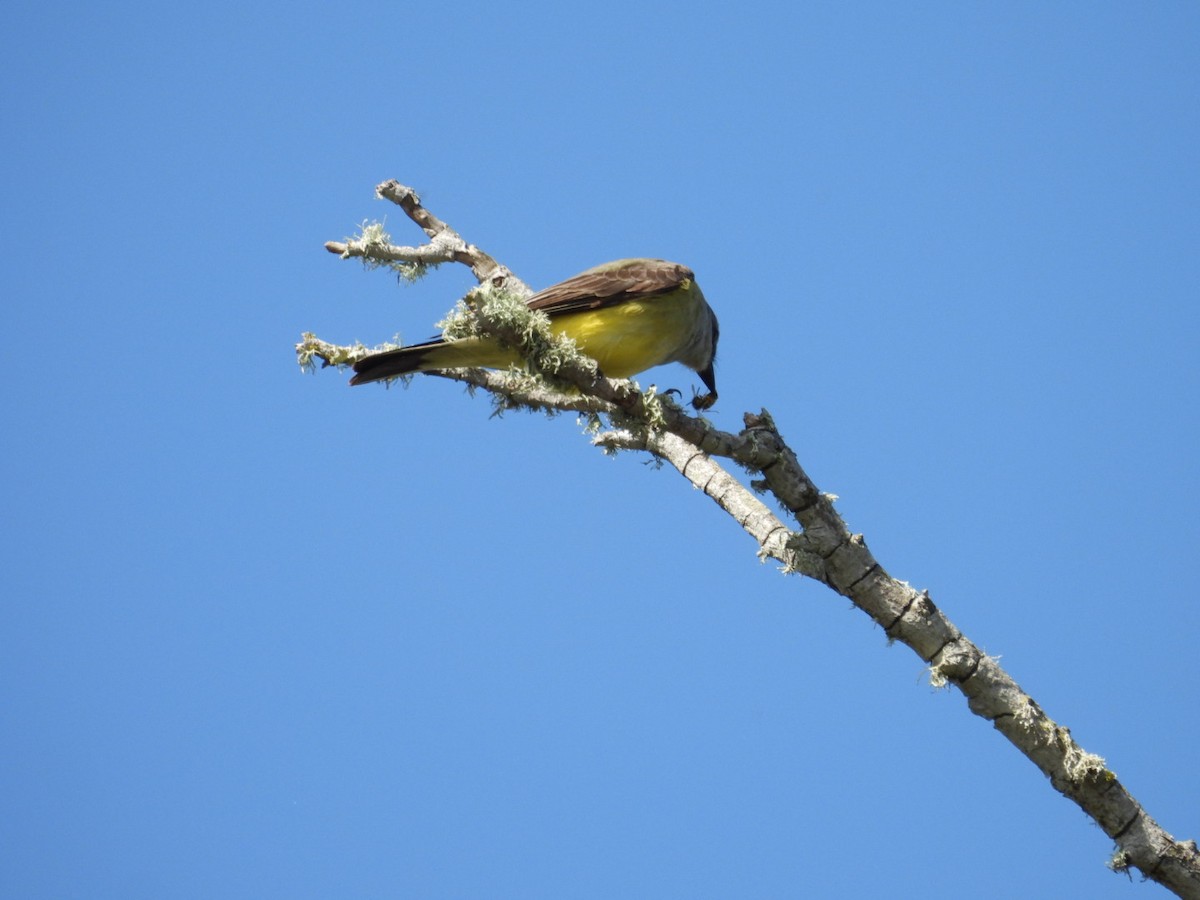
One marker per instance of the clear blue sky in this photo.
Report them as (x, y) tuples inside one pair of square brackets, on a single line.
[(267, 636)]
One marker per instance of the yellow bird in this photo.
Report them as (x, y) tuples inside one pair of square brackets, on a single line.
[(629, 315)]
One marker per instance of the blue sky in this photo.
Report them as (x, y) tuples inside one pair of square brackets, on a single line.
[(270, 636)]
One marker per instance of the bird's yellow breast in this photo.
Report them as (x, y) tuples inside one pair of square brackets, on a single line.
[(633, 336)]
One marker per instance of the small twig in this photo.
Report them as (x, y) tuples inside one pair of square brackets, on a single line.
[(311, 348)]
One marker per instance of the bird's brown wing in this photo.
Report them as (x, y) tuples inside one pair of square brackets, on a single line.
[(610, 284)]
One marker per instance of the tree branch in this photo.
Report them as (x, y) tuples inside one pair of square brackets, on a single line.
[(445, 244), (823, 548), (827, 551)]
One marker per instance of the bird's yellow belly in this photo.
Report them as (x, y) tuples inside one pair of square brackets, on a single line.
[(627, 338)]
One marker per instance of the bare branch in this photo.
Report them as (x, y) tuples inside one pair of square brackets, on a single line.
[(828, 552), (775, 540)]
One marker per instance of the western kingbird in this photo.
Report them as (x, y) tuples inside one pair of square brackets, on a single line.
[(629, 315)]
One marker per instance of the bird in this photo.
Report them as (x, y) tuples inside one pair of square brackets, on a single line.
[(629, 315)]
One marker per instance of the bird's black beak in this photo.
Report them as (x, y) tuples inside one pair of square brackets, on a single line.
[(702, 402)]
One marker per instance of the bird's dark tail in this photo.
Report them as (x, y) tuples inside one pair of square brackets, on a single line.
[(391, 363)]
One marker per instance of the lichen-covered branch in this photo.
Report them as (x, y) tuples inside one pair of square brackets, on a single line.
[(311, 349), (445, 244), (819, 544)]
